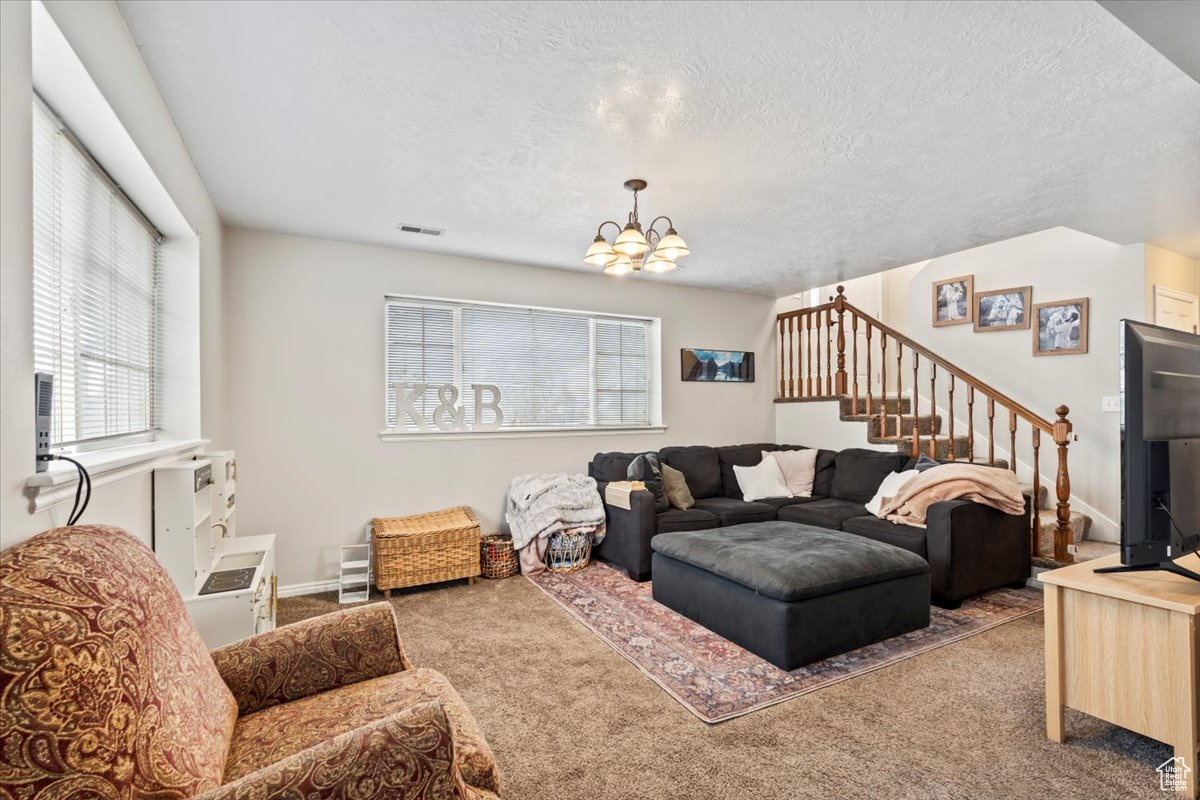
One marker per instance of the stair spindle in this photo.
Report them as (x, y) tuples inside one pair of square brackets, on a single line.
[(782, 374), (883, 413), (853, 358), (818, 326), (791, 357), (809, 327), (1012, 441), (953, 445), (970, 423), (991, 414), (933, 409), (840, 380), (899, 387), (1062, 485), (1037, 492), (829, 352), (916, 407)]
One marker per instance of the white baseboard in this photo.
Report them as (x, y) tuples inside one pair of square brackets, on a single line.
[(296, 589)]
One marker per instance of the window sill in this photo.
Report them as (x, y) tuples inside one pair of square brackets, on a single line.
[(519, 433), (105, 467)]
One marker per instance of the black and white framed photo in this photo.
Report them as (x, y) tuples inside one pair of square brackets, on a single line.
[(1060, 328), (952, 300), (1003, 309)]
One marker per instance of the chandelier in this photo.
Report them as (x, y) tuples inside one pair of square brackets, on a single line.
[(632, 250)]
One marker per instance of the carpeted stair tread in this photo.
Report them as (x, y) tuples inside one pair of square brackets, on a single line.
[(927, 425), (1048, 523), (1087, 550), (902, 406), (942, 445), (1043, 495)]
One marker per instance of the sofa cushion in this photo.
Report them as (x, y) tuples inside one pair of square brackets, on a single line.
[(611, 466), (799, 468), (858, 473), (906, 536), (675, 485), (645, 468), (736, 512), (693, 519), (699, 465), (780, 502), (740, 455), (823, 475), (789, 562), (280, 731), (826, 512)]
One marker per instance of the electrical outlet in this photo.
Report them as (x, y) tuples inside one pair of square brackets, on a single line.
[(1110, 404)]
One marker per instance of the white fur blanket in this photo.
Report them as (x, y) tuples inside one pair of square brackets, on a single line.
[(541, 504)]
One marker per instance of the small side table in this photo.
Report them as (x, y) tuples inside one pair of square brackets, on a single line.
[(1124, 648)]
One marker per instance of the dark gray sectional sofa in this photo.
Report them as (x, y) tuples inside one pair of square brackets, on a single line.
[(970, 547)]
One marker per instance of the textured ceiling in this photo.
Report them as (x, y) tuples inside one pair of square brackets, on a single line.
[(794, 144)]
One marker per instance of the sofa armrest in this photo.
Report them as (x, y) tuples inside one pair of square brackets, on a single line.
[(972, 548), (409, 755), (627, 537), (312, 656)]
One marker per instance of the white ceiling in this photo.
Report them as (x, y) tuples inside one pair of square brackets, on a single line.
[(793, 144)]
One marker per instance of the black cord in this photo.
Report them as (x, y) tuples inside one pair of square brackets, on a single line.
[(1174, 525), (85, 480)]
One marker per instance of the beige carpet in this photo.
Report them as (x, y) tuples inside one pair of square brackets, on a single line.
[(569, 718)]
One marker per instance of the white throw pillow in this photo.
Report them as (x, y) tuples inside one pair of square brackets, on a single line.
[(799, 468), (890, 487), (765, 480)]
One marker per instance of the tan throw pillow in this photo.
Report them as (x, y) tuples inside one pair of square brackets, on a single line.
[(799, 468), (678, 493)]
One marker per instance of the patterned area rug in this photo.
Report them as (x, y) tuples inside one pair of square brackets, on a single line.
[(717, 680)]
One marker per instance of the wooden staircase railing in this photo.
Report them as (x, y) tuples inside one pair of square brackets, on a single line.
[(802, 331)]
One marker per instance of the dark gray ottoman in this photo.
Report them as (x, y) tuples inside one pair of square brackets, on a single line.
[(791, 593)]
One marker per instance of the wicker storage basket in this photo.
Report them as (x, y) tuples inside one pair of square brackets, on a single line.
[(568, 551), (498, 559), (426, 548)]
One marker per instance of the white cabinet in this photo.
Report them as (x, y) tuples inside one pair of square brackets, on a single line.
[(224, 617), (183, 535), (194, 523)]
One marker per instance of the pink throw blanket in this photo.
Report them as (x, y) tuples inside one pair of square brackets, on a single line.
[(990, 486)]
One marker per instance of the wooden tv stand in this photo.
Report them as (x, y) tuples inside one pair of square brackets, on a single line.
[(1124, 647)]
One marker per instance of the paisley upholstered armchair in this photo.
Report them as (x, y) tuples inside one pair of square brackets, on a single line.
[(106, 690)]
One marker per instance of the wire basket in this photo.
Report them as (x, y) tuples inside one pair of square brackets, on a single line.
[(568, 551), (498, 559)]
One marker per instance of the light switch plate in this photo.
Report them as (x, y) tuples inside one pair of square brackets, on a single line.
[(1112, 403)]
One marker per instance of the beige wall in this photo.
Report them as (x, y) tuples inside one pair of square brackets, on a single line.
[(306, 386), (1164, 268), (98, 35), (1059, 264)]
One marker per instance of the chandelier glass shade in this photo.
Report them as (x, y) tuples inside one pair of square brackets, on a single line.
[(634, 250)]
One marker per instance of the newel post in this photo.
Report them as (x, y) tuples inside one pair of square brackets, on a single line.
[(839, 378), (1062, 485)]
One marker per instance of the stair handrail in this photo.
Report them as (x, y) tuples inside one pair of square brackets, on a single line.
[(1060, 430)]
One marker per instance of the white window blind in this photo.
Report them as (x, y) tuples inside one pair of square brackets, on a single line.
[(95, 293), (554, 369)]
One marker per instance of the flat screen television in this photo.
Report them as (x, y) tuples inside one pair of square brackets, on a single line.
[(1160, 448)]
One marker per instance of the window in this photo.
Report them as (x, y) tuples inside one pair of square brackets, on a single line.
[(95, 293), (554, 369)]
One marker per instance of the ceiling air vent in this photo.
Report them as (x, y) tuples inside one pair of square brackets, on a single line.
[(404, 227)]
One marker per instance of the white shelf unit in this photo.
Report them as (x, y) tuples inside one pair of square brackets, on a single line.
[(354, 574), (224, 495), (189, 498), (183, 536)]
